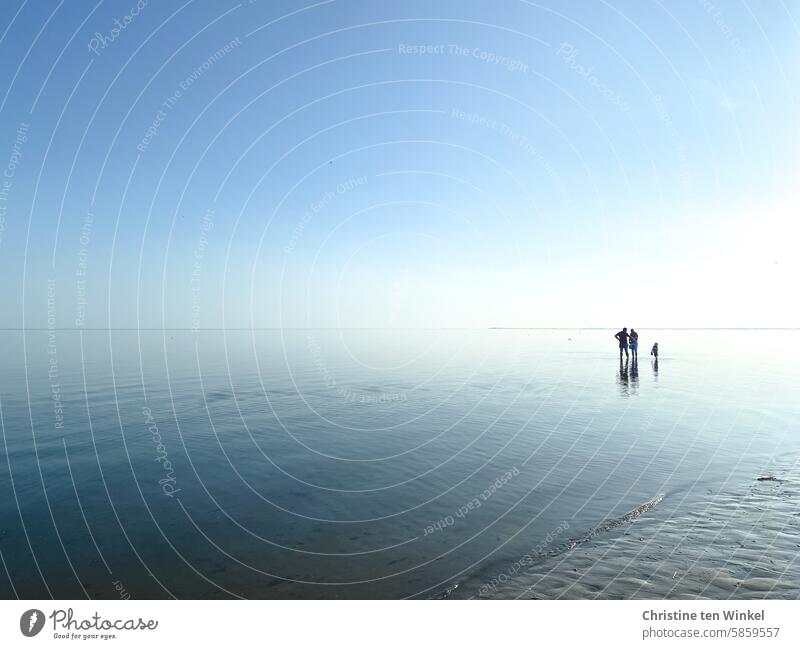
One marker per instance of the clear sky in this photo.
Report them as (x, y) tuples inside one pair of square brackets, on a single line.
[(399, 164)]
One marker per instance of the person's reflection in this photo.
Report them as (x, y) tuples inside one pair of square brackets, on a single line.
[(623, 380), (634, 375), (655, 370)]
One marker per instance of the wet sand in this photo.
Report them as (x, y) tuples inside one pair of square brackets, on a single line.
[(739, 544)]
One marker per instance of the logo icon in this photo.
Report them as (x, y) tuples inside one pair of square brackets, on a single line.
[(31, 622)]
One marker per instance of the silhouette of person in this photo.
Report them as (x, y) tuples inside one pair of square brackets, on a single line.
[(622, 337), (634, 345)]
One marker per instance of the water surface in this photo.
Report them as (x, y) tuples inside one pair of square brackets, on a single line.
[(369, 463)]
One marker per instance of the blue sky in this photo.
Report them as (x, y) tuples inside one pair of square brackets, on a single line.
[(413, 164)]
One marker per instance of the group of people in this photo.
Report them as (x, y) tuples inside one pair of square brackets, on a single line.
[(631, 341)]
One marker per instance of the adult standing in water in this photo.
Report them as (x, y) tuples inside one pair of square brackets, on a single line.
[(634, 345), (622, 337)]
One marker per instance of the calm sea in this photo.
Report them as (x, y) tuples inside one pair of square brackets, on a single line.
[(390, 464)]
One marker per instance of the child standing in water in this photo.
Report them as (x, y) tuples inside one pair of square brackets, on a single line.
[(634, 344), (654, 351)]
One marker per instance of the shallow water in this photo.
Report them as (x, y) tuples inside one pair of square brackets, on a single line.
[(368, 463)]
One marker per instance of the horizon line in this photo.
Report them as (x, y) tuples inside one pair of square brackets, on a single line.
[(201, 329)]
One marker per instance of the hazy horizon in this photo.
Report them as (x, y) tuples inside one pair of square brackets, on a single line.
[(190, 329)]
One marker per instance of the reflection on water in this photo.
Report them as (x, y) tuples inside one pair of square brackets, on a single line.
[(622, 379), (628, 378), (395, 464)]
